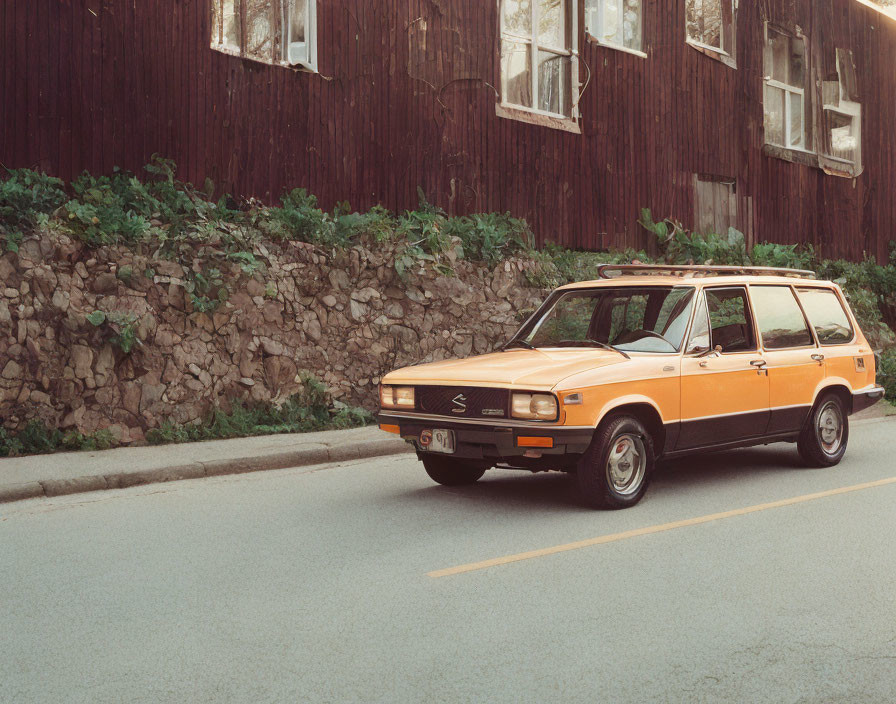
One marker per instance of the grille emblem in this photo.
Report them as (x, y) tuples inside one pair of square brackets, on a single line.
[(461, 402)]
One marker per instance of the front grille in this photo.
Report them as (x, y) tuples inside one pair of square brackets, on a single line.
[(463, 401)]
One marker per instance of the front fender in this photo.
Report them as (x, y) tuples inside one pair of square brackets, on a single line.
[(630, 400)]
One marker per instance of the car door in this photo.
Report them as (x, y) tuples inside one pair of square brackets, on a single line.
[(724, 383), (843, 351), (795, 363)]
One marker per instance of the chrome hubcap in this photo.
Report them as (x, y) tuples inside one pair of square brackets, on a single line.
[(830, 428), (626, 464)]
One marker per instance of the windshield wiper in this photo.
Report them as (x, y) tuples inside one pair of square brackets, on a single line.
[(589, 343), (514, 343)]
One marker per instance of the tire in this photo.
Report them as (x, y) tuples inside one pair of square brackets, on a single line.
[(822, 443), (620, 483), (451, 472)]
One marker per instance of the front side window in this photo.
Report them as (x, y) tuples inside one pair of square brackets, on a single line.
[(273, 31), (615, 23), (785, 90), (710, 24), (780, 319), (827, 316), (652, 319), (729, 320), (537, 56)]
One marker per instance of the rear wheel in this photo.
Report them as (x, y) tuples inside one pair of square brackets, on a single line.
[(615, 470), (451, 472), (823, 441)]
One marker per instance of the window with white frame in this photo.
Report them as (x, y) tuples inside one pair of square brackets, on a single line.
[(842, 120), (615, 23), (710, 24), (785, 90), (537, 57), (274, 31)]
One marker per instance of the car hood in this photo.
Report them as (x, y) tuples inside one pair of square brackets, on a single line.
[(530, 369)]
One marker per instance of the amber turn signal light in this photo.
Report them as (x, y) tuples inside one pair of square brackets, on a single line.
[(534, 442), (394, 429)]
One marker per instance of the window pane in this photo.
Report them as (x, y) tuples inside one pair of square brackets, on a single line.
[(785, 59), (731, 329), (609, 31), (631, 24), (774, 115), (796, 119), (615, 21), (516, 73), (552, 82), (827, 316), (675, 313), (226, 31), (700, 330), (297, 21), (649, 319), (518, 16), (568, 320), (780, 319), (842, 133), (295, 46), (259, 29), (552, 23), (704, 21)]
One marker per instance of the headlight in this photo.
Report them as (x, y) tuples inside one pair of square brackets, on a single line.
[(535, 406), (397, 397)]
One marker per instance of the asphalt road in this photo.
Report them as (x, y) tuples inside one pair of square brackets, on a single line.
[(316, 585)]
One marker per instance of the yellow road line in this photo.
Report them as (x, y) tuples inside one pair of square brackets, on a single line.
[(650, 530)]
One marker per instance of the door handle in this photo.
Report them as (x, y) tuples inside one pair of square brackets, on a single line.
[(760, 365), (818, 358)]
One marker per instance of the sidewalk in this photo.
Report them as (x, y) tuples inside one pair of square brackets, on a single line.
[(75, 472)]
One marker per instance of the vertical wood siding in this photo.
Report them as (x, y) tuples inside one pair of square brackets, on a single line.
[(405, 98)]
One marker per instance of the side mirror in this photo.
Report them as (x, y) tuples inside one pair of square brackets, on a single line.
[(717, 352)]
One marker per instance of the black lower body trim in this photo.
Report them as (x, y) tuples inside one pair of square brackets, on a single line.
[(866, 399), (733, 445), (785, 420), (722, 429)]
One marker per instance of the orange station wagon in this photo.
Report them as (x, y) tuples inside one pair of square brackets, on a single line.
[(647, 363)]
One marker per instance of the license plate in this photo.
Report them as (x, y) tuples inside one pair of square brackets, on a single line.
[(438, 440)]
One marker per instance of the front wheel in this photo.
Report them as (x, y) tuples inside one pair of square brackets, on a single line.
[(451, 472), (823, 441), (615, 470)]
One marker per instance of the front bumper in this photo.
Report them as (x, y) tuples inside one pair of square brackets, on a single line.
[(866, 398), (492, 441)]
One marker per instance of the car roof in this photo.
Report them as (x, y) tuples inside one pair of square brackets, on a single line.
[(689, 280)]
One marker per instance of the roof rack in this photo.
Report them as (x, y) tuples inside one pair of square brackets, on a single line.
[(698, 270)]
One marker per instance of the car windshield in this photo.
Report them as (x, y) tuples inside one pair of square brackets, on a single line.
[(629, 319)]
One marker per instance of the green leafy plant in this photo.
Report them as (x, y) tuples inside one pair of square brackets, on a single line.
[(310, 409), (36, 437), (28, 197), (122, 328), (247, 261), (206, 290), (886, 373)]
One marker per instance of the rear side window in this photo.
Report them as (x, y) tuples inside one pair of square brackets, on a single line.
[(729, 319), (826, 315), (780, 319)]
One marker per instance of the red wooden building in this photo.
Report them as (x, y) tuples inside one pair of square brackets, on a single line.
[(773, 116)]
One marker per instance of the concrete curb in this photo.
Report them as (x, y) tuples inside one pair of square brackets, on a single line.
[(198, 470)]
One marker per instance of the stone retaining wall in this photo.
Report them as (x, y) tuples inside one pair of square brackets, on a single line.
[(345, 317)]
